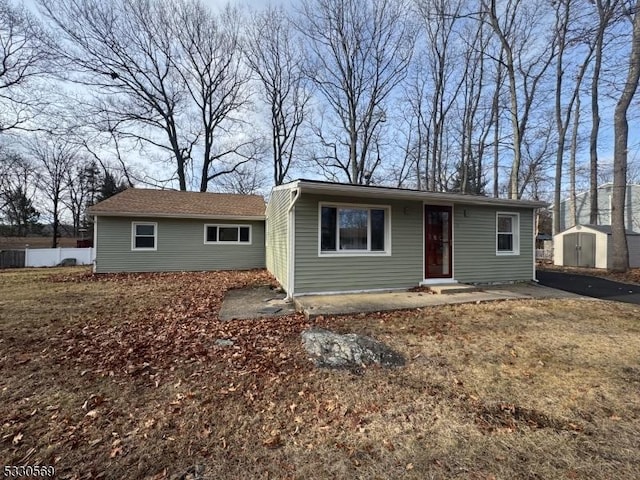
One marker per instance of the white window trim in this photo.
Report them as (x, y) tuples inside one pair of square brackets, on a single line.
[(357, 253), (515, 233), (227, 225), (133, 237)]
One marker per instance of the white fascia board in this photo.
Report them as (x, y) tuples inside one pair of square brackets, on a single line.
[(286, 186)]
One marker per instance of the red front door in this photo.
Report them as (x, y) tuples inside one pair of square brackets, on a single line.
[(437, 241)]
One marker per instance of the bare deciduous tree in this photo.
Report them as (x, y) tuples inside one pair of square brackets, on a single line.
[(359, 51), (167, 75), (605, 10), (476, 127), (274, 54), (24, 56), (82, 188), (210, 65), (564, 98), (54, 156), (526, 57), (439, 19), (245, 180), (620, 259)]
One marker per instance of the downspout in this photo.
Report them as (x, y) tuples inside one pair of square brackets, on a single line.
[(95, 243), (291, 232), (535, 236)]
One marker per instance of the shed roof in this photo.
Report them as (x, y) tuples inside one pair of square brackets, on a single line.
[(606, 229), (143, 202)]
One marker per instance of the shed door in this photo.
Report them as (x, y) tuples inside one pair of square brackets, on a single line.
[(579, 249), (570, 249), (587, 251), (437, 241)]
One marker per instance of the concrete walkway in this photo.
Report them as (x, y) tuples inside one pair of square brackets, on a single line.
[(314, 305), (245, 303)]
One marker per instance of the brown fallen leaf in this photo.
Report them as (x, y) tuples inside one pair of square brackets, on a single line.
[(273, 442)]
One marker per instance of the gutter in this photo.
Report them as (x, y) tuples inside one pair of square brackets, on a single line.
[(180, 216)]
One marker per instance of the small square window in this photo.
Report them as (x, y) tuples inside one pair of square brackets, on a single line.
[(143, 236), (212, 234)]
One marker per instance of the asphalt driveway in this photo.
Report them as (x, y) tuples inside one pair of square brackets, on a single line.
[(590, 286)]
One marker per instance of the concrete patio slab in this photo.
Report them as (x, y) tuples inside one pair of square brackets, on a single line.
[(245, 303), (315, 305)]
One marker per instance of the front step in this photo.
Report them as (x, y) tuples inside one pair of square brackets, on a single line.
[(447, 289)]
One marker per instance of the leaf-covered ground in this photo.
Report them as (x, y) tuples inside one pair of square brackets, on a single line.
[(120, 376)]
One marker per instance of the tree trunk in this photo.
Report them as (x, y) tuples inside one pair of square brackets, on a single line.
[(495, 119), (573, 215), (595, 127), (620, 251)]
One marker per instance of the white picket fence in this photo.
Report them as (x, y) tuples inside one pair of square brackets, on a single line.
[(50, 257)]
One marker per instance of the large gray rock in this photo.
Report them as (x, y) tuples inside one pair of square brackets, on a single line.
[(332, 350)]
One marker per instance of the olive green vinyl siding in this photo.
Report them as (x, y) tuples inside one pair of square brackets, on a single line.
[(474, 250), (315, 273), (180, 247), (277, 253)]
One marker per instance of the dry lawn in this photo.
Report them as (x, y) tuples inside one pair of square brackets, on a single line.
[(119, 376)]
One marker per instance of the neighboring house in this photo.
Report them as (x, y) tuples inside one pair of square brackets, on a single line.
[(322, 237), (142, 230), (583, 206), (326, 237)]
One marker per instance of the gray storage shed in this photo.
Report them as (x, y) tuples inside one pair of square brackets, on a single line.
[(591, 246)]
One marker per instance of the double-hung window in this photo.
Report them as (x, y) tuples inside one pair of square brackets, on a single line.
[(354, 229), (507, 234), (227, 234), (144, 236)]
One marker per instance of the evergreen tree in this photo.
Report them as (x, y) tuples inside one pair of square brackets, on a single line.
[(109, 186), (20, 212)]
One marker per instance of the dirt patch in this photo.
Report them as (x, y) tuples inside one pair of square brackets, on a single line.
[(508, 417)]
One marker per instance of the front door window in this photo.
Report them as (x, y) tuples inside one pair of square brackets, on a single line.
[(437, 234)]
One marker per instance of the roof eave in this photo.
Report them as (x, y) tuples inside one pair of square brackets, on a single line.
[(363, 191), (176, 215)]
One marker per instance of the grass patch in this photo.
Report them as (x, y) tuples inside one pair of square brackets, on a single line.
[(120, 376)]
